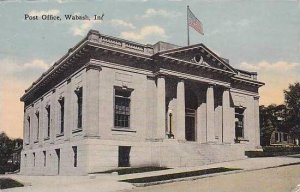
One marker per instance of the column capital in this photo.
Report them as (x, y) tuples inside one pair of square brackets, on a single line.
[(225, 88), (161, 75), (151, 77), (211, 85), (91, 65), (181, 79)]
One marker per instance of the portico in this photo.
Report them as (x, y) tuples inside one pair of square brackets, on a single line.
[(199, 110)]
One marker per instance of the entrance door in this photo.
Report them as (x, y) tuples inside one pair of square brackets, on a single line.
[(190, 124), (58, 160), (124, 157)]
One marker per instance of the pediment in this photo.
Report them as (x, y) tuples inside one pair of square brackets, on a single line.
[(198, 55)]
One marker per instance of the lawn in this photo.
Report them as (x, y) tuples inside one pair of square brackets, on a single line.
[(179, 175), (6, 183), (124, 171)]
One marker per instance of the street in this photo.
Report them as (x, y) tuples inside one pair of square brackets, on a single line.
[(281, 179)]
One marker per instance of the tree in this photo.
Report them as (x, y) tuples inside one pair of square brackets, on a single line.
[(292, 100), (272, 118), (7, 147)]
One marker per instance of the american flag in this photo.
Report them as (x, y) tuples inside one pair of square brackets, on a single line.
[(194, 22)]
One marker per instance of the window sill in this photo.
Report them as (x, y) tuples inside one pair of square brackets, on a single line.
[(36, 141), (123, 129), (241, 139), (77, 130), (47, 138), (60, 135)]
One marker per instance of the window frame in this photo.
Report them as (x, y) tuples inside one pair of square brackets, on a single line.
[(29, 129), (285, 137), (242, 127), (61, 121), (45, 158), (33, 159), (48, 113), (79, 117), (75, 156), (128, 90), (37, 115)]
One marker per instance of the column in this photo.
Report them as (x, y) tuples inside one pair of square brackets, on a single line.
[(92, 100), (161, 107), (210, 116), (180, 111), (151, 108), (256, 122), (228, 132)]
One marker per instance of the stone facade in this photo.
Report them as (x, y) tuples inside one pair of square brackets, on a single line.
[(110, 103)]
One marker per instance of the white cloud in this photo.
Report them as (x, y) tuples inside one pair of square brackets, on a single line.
[(37, 63), (264, 65), (40, 13), (82, 28), (63, 1), (9, 67), (159, 12), (144, 32), (15, 77), (119, 22), (277, 76)]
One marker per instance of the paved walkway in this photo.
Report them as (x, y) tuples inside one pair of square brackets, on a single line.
[(279, 179), (245, 164), (110, 182)]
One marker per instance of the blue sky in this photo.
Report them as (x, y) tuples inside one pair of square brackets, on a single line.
[(256, 35)]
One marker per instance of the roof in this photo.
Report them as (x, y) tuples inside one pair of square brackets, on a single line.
[(75, 57)]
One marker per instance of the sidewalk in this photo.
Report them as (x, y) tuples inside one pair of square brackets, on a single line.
[(110, 182), (245, 164)]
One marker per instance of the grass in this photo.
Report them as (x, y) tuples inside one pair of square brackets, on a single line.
[(6, 183), (124, 171), (179, 175)]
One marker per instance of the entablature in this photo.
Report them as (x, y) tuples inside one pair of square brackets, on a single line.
[(179, 75)]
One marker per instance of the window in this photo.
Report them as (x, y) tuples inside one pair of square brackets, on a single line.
[(34, 159), (37, 114), (277, 136), (62, 113), (239, 122), (75, 156), (45, 158), (29, 127), (78, 92), (285, 136), (25, 160), (122, 108), (124, 156), (48, 109)]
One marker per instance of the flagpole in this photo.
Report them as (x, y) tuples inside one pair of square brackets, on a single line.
[(187, 25)]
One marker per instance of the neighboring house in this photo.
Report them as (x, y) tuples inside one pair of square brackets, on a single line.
[(13, 163), (16, 155), (112, 103), (282, 138)]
